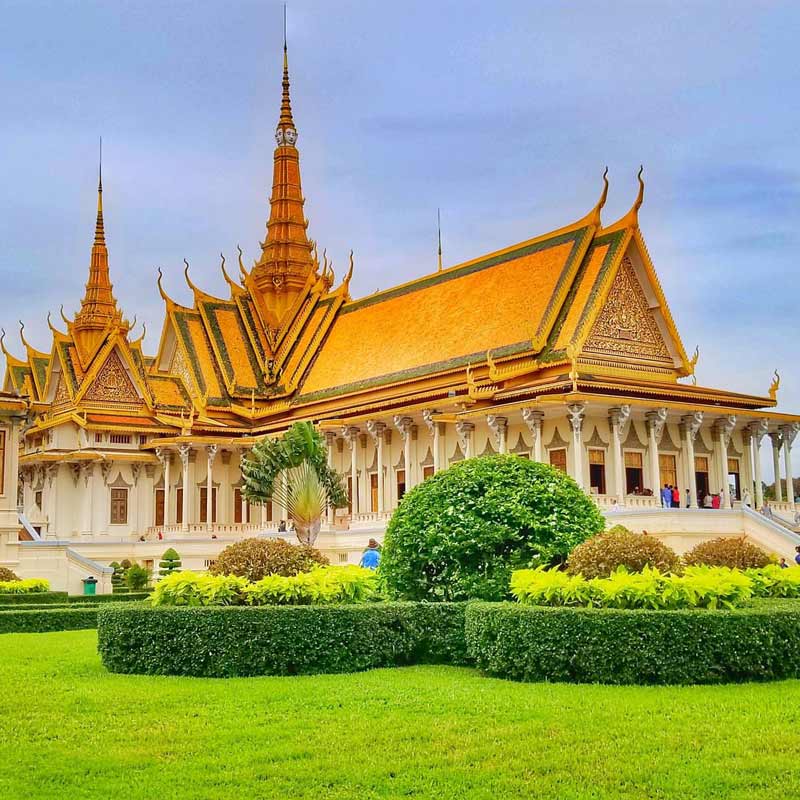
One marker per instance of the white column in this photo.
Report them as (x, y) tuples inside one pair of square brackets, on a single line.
[(330, 443), (464, 431), (376, 430), (87, 472), (435, 431), (499, 427), (758, 430), (617, 419), (183, 452), (724, 428), (211, 452), (690, 425), (165, 457), (776, 464), (747, 466), (789, 432), (439, 433), (655, 427), (575, 412), (403, 425), (351, 437), (534, 420)]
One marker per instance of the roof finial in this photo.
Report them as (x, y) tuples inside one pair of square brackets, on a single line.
[(285, 121), (99, 230), (595, 214), (439, 226), (640, 197)]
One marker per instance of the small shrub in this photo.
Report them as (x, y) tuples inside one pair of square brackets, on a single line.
[(635, 647), (27, 586), (170, 562), (136, 577), (618, 547), (728, 551), (460, 534), (118, 576), (6, 575), (255, 558), (33, 598), (774, 581)]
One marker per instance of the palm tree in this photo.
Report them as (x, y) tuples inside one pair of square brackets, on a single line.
[(293, 470)]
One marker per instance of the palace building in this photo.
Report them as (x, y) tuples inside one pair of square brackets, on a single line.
[(581, 366)]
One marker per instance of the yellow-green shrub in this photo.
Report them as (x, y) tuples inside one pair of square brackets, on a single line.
[(27, 586), (697, 587), (324, 585), (774, 581)]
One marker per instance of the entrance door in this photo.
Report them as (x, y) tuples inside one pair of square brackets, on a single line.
[(558, 458), (401, 484), (733, 479), (203, 500), (701, 482), (179, 505), (667, 466), (597, 470), (159, 521), (634, 472)]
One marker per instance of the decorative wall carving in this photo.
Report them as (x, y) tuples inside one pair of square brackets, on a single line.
[(61, 395), (112, 384), (626, 325)]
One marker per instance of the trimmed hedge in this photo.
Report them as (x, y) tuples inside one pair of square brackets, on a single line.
[(760, 642), (227, 641), (33, 597), (45, 620), (108, 598)]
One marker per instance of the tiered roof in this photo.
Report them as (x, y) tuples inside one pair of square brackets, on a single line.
[(577, 310)]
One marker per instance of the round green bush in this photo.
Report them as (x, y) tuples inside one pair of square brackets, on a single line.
[(461, 533), (7, 575), (255, 558), (727, 551), (618, 547)]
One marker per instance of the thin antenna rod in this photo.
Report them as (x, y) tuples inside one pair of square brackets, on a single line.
[(284, 26), (100, 172), (439, 225)]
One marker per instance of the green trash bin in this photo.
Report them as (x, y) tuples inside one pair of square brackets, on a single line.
[(90, 585)]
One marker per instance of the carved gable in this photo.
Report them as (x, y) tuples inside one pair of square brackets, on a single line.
[(627, 326), (112, 384), (61, 395)]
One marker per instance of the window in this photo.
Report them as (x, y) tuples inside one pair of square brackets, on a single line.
[(427, 472), (668, 470), (37, 498), (373, 486), (237, 507), (268, 508), (142, 439), (119, 506), (203, 506), (558, 459), (597, 470), (159, 520), (634, 472), (120, 438), (179, 505), (2, 460), (98, 437), (401, 483)]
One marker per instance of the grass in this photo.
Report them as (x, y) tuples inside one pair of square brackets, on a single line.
[(70, 729)]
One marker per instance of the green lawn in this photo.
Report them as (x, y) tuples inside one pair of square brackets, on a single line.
[(70, 730)]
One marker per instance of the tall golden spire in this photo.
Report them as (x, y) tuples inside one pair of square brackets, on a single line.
[(286, 261), (98, 307)]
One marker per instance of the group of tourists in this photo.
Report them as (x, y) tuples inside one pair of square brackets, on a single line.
[(671, 496)]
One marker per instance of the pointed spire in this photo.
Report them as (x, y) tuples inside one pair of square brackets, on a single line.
[(286, 262), (439, 226), (98, 307)]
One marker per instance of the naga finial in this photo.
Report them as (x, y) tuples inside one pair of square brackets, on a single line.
[(775, 385), (640, 197), (694, 359), (63, 315), (241, 264)]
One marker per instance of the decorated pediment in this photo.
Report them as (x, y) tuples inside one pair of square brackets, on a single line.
[(112, 384), (626, 325)]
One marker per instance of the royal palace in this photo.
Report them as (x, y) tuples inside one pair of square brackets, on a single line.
[(560, 348)]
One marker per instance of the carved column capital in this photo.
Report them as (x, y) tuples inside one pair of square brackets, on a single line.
[(618, 417), (690, 424), (350, 435), (184, 451), (403, 425), (789, 433), (464, 432), (576, 413), (758, 430), (211, 452), (136, 470), (777, 440), (427, 418), (724, 426), (498, 426), (330, 439), (656, 420), (375, 429), (105, 470), (533, 419)]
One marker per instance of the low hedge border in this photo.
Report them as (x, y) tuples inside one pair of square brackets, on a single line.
[(227, 641), (47, 620), (37, 598), (108, 598), (579, 645)]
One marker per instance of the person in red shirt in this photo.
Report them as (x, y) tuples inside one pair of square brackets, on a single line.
[(676, 497), (715, 501)]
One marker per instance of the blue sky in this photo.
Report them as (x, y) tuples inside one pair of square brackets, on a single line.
[(503, 114)]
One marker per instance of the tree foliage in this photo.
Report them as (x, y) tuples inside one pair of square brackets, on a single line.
[(618, 547), (7, 575), (459, 534), (727, 551), (170, 562)]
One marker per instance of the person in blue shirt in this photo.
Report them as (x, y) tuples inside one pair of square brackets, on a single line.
[(666, 496), (372, 556)]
